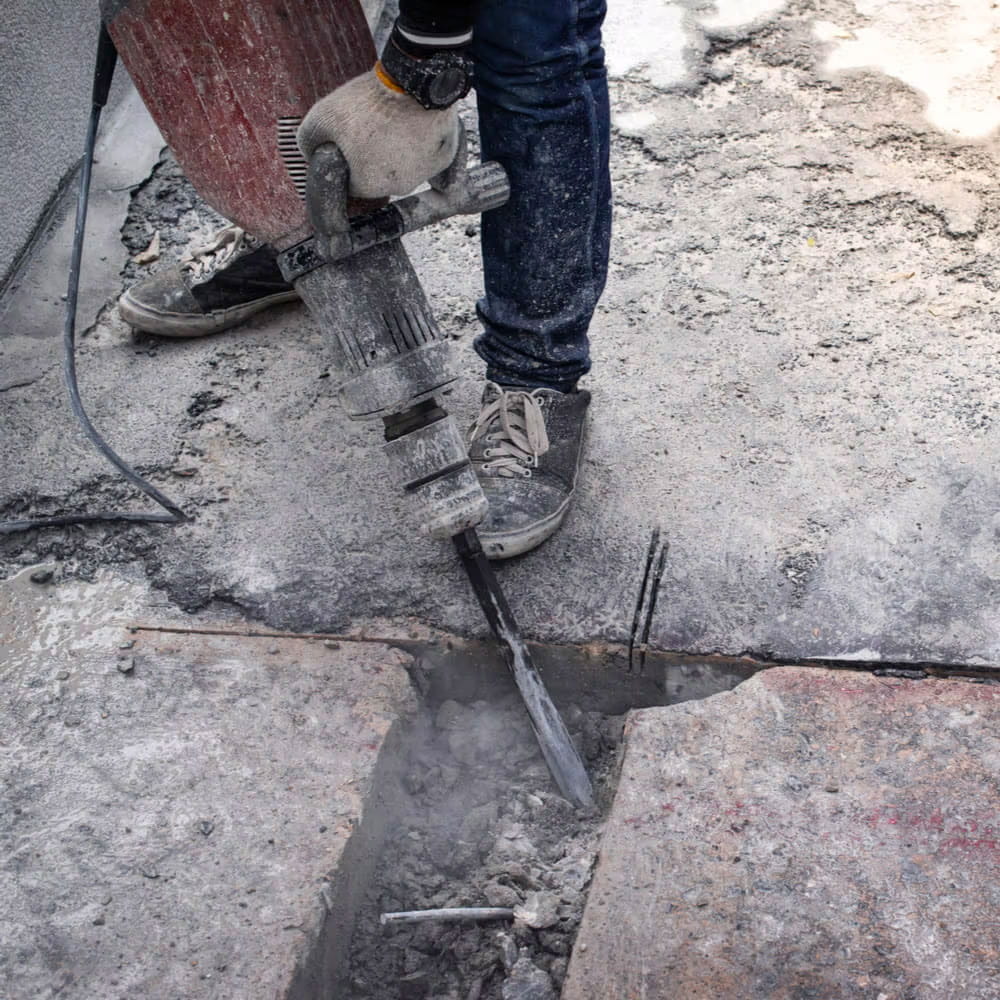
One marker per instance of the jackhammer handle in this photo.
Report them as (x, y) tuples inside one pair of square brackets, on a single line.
[(459, 190)]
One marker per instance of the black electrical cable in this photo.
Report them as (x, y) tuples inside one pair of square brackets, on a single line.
[(104, 69)]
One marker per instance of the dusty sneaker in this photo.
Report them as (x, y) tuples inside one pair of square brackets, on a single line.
[(211, 288), (526, 448)]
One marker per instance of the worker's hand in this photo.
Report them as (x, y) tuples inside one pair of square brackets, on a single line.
[(390, 142)]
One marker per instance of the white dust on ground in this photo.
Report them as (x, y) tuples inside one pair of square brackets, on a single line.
[(661, 40), (58, 625), (649, 36), (946, 49)]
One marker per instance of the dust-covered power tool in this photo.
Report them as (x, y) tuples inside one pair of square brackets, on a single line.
[(228, 85)]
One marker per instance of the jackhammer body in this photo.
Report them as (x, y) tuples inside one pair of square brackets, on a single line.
[(255, 75)]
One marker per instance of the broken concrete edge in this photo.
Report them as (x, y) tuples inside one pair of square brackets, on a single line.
[(470, 663), (154, 743), (323, 967), (598, 675)]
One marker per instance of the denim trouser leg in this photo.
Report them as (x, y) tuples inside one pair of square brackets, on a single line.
[(543, 113)]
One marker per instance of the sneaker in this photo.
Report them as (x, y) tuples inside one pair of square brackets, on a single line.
[(526, 448), (211, 288)]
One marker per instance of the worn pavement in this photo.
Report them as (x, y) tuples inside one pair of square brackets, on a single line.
[(813, 833), (184, 815), (795, 376)]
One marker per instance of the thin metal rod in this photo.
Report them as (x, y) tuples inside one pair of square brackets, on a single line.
[(450, 915), (557, 748)]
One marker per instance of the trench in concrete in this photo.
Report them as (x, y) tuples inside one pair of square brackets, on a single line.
[(354, 956)]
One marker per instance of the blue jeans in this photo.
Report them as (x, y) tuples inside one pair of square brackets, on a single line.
[(542, 91)]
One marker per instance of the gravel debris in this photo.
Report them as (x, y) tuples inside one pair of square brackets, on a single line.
[(482, 826)]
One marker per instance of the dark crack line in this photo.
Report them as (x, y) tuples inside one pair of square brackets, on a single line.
[(25, 383)]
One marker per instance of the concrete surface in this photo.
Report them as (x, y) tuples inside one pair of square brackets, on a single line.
[(32, 310), (795, 377), (45, 84), (200, 825), (810, 834)]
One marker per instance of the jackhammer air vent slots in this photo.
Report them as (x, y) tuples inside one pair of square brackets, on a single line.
[(288, 146), (410, 328)]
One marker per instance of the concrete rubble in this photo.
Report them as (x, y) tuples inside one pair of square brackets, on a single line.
[(813, 833)]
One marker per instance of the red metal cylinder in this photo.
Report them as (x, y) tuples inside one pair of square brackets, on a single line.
[(227, 82)]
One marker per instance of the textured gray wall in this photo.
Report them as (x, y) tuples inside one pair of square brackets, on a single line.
[(45, 76)]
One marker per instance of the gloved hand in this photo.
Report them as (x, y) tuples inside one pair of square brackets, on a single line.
[(390, 142)]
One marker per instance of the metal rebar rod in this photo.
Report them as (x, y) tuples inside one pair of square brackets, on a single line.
[(451, 915), (557, 748)]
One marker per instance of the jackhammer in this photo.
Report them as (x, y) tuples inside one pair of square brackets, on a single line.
[(228, 85)]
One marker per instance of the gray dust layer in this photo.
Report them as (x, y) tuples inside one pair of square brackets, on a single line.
[(482, 825)]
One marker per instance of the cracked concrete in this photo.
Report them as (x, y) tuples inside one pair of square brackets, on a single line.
[(794, 378), (813, 833), (185, 816)]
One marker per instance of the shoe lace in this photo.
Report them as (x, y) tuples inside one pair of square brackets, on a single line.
[(513, 425), (203, 261)]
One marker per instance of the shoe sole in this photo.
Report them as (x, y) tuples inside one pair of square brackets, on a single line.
[(167, 324), (516, 543)]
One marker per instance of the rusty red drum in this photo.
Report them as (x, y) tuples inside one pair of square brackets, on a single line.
[(228, 81)]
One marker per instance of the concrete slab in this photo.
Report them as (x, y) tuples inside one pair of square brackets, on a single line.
[(32, 311), (794, 378), (191, 816), (811, 834), (45, 82)]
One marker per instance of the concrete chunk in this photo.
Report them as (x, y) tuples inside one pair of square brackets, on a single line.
[(201, 826), (814, 833)]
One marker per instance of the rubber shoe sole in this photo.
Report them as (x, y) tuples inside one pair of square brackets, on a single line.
[(168, 324), (507, 545)]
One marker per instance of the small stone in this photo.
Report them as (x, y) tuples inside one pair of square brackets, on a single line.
[(127, 644), (149, 872), (63, 675), (274, 650), (508, 950), (539, 910), (832, 786), (41, 576), (106, 901), (554, 943), (126, 665), (719, 74), (322, 829), (98, 921), (205, 827), (498, 894), (331, 644), (527, 982)]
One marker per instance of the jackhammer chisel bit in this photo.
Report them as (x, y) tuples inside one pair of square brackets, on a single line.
[(394, 362)]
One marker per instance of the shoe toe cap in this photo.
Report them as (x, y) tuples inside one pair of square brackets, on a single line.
[(163, 293), (520, 516)]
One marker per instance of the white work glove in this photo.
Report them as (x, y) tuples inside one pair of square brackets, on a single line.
[(391, 143)]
